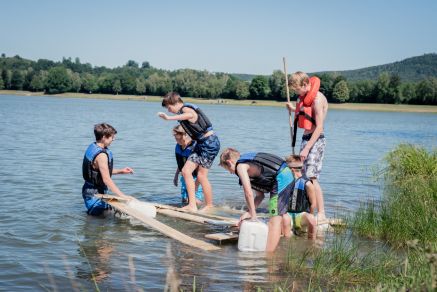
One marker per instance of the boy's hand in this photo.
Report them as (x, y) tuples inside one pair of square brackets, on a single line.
[(304, 154), (244, 217), (290, 107), (162, 115), (127, 170)]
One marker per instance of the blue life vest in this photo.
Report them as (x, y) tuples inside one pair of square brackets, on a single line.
[(182, 154), (270, 166), (90, 175), (200, 127), (299, 201)]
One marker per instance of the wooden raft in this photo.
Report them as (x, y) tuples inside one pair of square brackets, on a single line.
[(158, 226)]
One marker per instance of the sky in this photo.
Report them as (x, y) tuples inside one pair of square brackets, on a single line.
[(228, 36)]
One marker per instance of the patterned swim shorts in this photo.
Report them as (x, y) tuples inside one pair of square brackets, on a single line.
[(205, 151), (312, 165)]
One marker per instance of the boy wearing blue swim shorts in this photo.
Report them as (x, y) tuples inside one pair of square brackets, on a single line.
[(97, 169), (262, 173), (184, 147), (197, 125)]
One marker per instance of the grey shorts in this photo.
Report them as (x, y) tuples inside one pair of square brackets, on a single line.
[(312, 165)]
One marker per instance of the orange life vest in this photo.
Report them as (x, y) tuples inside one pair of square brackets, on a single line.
[(303, 113)]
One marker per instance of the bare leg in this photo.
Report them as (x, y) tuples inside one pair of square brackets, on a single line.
[(202, 177), (320, 203), (187, 173), (286, 225), (275, 227), (310, 221)]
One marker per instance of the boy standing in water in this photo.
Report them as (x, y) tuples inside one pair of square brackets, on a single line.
[(184, 147), (302, 202), (97, 169), (261, 173), (310, 113), (199, 128)]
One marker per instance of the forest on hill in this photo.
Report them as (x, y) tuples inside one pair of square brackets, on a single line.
[(391, 83)]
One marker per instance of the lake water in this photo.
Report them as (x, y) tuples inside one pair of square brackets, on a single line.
[(49, 243)]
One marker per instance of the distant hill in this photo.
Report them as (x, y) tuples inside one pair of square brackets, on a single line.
[(411, 69)]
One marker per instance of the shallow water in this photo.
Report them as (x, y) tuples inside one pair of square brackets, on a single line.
[(48, 241)]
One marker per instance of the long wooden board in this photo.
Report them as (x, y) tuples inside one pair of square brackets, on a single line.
[(162, 206), (197, 219), (161, 227)]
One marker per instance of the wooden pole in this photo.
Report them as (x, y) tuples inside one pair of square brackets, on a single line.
[(287, 90)]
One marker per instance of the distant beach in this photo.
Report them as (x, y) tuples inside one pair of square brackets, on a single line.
[(337, 106)]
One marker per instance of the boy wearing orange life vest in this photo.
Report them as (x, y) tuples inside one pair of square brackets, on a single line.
[(310, 113)]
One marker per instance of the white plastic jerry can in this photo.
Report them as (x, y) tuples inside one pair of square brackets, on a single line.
[(253, 236), (147, 209)]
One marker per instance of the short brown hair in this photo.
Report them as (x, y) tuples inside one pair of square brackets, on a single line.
[(178, 130), (228, 154), (171, 98), (294, 161), (298, 79), (103, 130)]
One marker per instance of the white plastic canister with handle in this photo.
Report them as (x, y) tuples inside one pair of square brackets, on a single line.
[(253, 236)]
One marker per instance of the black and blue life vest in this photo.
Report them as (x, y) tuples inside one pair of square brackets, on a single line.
[(182, 154), (299, 201), (270, 166), (90, 175), (200, 127)]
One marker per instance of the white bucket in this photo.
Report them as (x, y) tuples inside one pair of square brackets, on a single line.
[(253, 236), (147, 209)]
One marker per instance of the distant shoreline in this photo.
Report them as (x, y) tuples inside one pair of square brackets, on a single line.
[(343, 106)]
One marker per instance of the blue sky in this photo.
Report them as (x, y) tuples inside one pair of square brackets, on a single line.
[(221, 36)]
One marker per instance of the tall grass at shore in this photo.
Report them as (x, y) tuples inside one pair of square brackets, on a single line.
[(403, 226)]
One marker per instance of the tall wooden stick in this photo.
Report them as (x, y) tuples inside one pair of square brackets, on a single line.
[(287, 90)]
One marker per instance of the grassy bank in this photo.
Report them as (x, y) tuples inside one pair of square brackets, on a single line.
[(401, 253), (344, 106)]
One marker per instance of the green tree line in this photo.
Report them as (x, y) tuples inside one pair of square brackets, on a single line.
[(52, 77)]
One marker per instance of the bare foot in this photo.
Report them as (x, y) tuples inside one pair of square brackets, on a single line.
[(321, 219), (206, 209), (190, 208)]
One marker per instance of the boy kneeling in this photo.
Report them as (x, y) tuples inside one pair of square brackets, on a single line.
[(262, 173), (302, 202)]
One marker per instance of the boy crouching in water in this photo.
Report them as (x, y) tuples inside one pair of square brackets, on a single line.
[(302, 202), (197, 125), (184, 148), (261, 173), (97, 169)]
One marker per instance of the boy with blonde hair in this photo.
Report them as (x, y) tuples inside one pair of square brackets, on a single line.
[(302, 202), (197, 125), (310, 113), (184, 147), (261, 173)]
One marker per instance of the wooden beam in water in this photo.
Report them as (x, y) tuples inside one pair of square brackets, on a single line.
[(161, 227), (161, 206), (197, 219)]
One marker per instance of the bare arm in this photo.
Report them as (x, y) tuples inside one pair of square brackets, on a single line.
[(125, 170), (188, 114), (102, 165), (311, 192), (176, 177), (242, 170)]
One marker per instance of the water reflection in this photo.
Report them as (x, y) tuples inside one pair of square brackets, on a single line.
[(95, 250)]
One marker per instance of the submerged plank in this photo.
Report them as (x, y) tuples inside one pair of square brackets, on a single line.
[(161, 227), (222, 237)]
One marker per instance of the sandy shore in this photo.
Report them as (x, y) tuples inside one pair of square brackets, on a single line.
[(343, 106)]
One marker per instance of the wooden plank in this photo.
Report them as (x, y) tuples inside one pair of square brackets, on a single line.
[(197, 219), (161, 227), (221, 237), (162, 206)]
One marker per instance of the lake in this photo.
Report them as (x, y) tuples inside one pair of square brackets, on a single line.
[(48, 242)]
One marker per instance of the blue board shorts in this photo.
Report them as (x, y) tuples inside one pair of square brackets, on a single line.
[(95, 206), (184, 193), (205, 151), (280, 195)]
